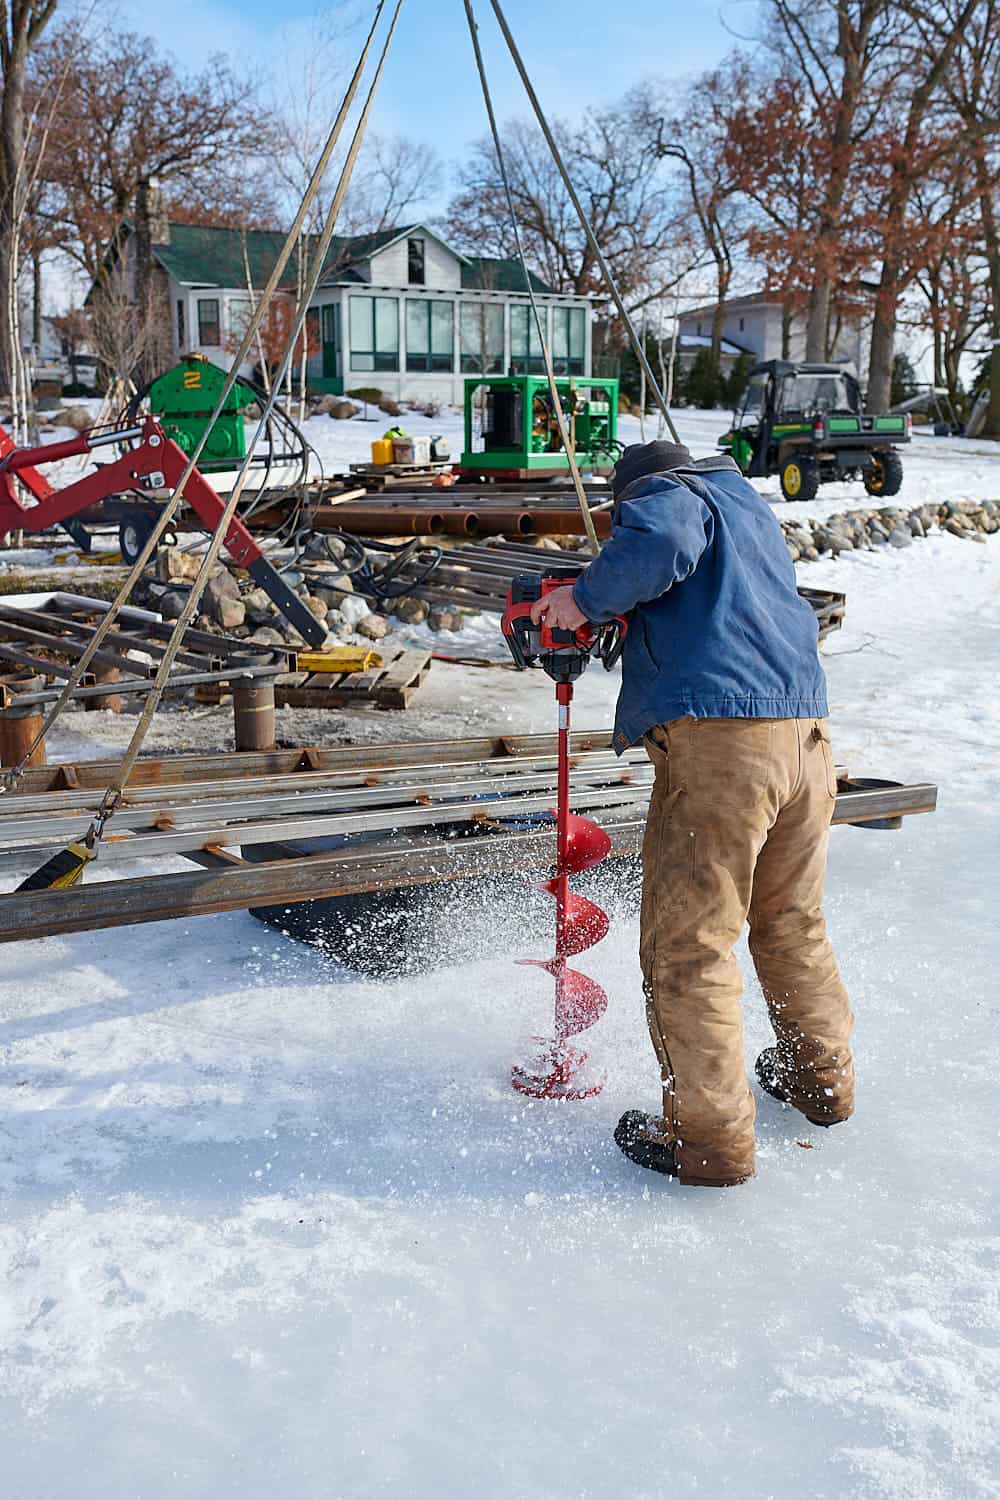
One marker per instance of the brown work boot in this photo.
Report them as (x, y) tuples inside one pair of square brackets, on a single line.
[(773, 1080), (640, 1138)]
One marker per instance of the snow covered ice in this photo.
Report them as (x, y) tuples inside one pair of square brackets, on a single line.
[(268, 1228)]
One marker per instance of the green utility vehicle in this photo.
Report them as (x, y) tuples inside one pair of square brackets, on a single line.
[(806, 424), (511, 431)]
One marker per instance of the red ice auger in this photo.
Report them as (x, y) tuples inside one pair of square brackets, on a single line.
[(564, 655)]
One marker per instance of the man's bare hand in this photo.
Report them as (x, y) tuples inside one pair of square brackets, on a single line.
[(558, 610)]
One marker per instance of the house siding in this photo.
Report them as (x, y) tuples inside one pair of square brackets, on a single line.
[(383, 274)]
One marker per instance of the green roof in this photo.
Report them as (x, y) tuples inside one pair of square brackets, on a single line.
[(213, 256), (201, 254), (485, 273)]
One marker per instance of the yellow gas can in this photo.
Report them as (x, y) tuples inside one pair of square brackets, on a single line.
[(382, 451)]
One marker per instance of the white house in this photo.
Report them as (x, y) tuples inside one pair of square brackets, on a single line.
[(401, 310), (758, 325)]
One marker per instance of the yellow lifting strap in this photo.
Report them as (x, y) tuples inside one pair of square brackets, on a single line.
[(62, 870)]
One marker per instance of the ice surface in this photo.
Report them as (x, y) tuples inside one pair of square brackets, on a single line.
[(270, 1229)]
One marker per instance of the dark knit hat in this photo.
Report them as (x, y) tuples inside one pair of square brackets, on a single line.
[(641, 459)]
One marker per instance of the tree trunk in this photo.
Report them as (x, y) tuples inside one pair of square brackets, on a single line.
[(883, 342), (36, 299), (818, 321), (991, 427), (11, 158)]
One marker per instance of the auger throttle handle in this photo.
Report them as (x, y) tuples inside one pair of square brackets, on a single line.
[(563, 654)]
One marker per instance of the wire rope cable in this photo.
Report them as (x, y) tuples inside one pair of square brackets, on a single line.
[(557, 407)]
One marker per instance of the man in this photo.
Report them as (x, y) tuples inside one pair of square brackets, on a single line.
[(721, 678)]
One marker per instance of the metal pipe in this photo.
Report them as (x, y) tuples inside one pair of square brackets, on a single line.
[(253, 715), (19, 728)]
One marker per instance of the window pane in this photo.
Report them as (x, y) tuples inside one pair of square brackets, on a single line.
[(239, 316), (415, 260), (519, 315), (362, 339), (577, 332), (560, 335), (329, 316), (387, 327), (494, 339), (417, 329), (362, 361), (208, 321), (443, 330), (471, 330)]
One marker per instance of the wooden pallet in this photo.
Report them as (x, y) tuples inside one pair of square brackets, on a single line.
[(391, 685)]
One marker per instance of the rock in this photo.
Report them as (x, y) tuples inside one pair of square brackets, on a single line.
[(900, 538), (877, 533), (333, 598), (342, 411), (390, 407), (317, 607), (339, 585), (174, 565), (793, 551), (445, 619), (809, 554), (354, 609), (171, 603), (334, 618), (375, 627), (915, 524), (258, 599), (77, 417), (221, 600), (413, 611), (230, 613), (266, 635)]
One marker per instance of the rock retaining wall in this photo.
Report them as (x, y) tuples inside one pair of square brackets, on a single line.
[(892, 526)]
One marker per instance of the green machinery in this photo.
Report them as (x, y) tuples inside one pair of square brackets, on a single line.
[(511, 431), (183, 400), (805, 423)]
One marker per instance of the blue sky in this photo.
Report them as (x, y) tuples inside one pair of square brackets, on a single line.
[(581, 53)]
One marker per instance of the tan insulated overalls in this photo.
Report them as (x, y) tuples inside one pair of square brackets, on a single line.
[(738, 829)]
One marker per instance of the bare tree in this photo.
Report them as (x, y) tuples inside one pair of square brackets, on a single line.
[(697, 140), (927, 52), (632, 203), (22, 23), (127, 116), (395, 175), (838, 52), (974, 90)]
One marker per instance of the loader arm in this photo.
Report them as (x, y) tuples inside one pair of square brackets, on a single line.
[(155, 463)]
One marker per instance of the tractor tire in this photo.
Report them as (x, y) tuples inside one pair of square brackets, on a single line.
[(134, 531), (800, 478), (885, 477)]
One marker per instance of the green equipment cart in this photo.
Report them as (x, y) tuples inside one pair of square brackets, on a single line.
[(184, 398), (511, 430), (805, 423)]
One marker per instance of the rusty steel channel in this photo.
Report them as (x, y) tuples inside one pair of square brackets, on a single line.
[(404, 823)]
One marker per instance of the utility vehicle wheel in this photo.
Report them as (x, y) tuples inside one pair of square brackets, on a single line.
[(800, 479), (886, 473), (133, 533)]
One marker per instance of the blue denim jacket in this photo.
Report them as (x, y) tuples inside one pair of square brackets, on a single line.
[(717, 630)]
